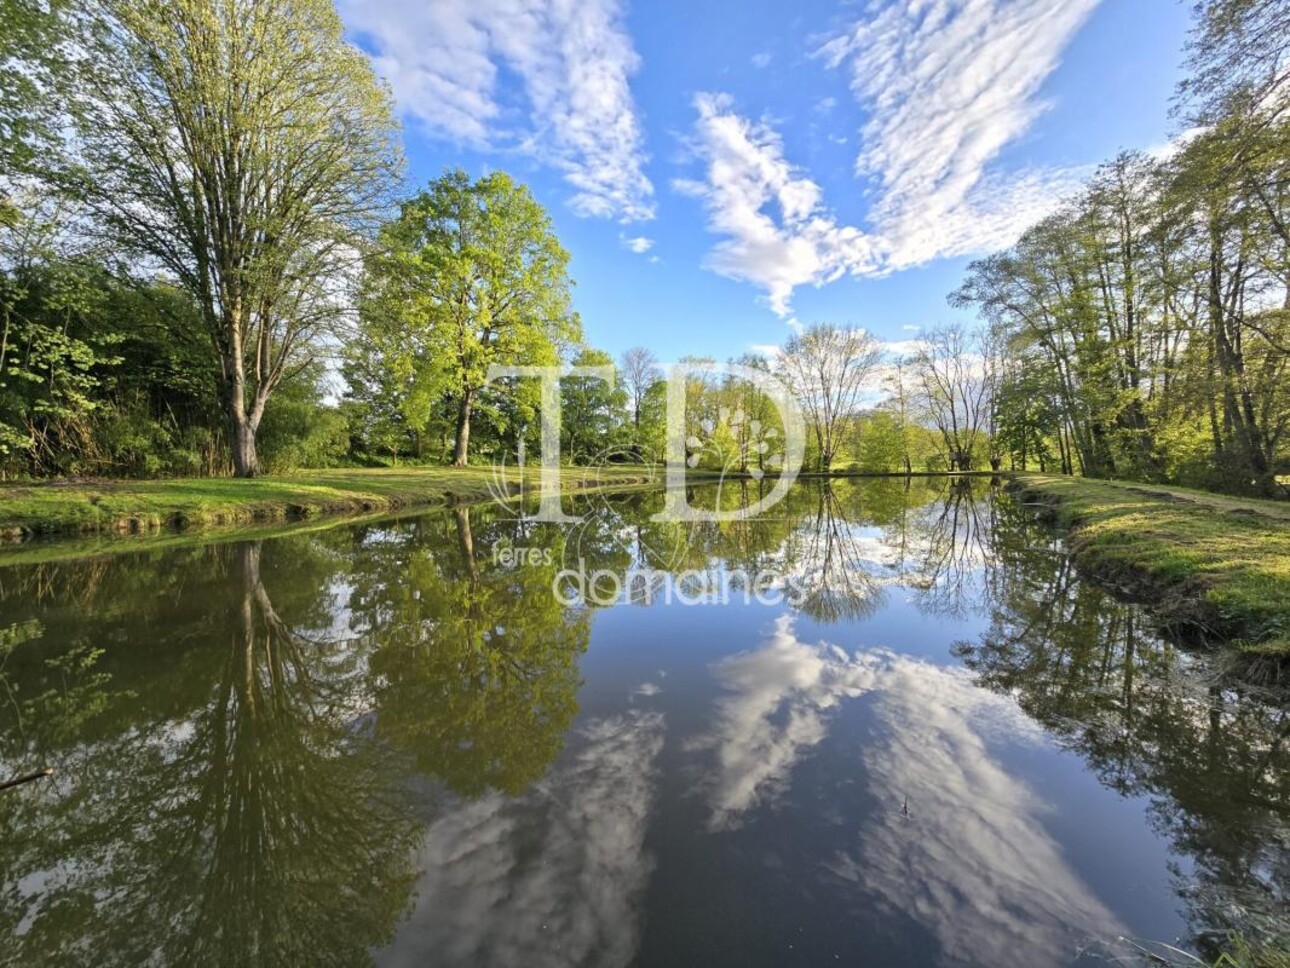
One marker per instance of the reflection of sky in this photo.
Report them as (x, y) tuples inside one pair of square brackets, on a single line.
[(552, 877), (972, 863)]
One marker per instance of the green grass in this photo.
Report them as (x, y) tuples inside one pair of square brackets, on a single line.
[(131, 507), (1217, 563)]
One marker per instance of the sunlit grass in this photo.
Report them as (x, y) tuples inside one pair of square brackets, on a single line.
[(142, 506), (1220, 563)]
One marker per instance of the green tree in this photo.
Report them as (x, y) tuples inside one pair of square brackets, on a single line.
[(593, 412), (48, 356), (244, 148), (32, 69), (469, 275)]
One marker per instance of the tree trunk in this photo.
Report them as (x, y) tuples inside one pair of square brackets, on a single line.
[(463, 429), (246, 462)]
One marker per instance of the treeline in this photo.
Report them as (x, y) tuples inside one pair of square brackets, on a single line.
[(1142, 331), (209, 263)]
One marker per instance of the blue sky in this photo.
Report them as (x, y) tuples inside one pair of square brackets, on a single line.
[(720, 171)]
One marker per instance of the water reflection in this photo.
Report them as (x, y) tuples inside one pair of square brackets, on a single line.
[(957, 843), (474, 664), (1214, 763), (552, 877), (251, 819), (390, 742)]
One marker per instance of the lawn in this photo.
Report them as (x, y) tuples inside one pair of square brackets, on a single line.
[(103, 507), (1220, 564)]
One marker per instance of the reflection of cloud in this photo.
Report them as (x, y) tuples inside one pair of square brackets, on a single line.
[(779, 697), (972, 863), (552, 877)]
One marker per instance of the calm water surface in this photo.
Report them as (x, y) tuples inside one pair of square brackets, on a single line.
[(394, 743)]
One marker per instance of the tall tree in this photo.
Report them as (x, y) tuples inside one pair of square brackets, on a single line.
[(31, 69), (1238, 60), (828, 367), (592, 411), (955, 391), (469, 275), (639, 371), (245, 148)]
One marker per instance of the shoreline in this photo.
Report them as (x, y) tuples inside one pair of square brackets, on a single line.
[(56, 510), (1216, 567)]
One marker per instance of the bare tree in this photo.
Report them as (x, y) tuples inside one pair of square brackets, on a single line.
[(827, 368), (954, 384), (639, 372)]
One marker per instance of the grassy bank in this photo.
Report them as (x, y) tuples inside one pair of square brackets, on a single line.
[(126, 507), (1220, 565)]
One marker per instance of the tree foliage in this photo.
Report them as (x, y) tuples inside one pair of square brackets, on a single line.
[(469, 275), (244, 148)]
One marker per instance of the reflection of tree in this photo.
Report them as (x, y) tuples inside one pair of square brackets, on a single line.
[(1214, 764), (954, 542), (474, 661), (257, 823), (834, 566)]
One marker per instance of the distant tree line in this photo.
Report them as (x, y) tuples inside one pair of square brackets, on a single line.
[(207, 265)]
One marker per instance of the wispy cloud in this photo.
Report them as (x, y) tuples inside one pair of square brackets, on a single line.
[(638, 244), (761, 60), (776, 232), (946, 85), (574, 61), (551, 877)]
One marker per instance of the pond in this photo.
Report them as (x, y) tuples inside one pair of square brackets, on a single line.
[(885, 724)]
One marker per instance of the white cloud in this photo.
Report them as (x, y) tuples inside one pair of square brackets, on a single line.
[(776, 232), (1167, 149), (760, 60), (574, 60), (640, 244), (972, 861), (551, 877), (946, 86)]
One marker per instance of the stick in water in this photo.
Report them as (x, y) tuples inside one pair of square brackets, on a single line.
[(26, 778)]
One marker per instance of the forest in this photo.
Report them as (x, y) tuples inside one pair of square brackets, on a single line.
[(211, 264)]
